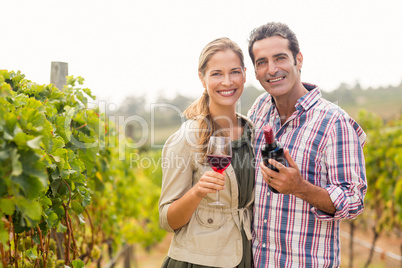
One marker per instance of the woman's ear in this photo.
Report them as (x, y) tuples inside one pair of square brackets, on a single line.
[(202, 80), (245, 69)]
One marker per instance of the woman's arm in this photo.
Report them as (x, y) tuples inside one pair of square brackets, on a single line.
[(181, 210), (179, 197)]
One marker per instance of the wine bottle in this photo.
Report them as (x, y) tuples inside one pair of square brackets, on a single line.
[(272, 149)]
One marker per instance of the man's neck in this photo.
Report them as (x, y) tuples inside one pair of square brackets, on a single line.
[(286, 104)]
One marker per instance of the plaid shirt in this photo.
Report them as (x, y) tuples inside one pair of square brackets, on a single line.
[(326, 145)]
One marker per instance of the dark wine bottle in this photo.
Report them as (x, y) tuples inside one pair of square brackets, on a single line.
[(272, 149)]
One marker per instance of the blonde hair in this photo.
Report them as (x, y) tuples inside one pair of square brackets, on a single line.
[(199, 110)]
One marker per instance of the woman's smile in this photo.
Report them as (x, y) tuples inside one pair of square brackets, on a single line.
[(227, 93)]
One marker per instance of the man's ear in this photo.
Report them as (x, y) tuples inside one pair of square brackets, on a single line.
[(299, 61), (202, 80)]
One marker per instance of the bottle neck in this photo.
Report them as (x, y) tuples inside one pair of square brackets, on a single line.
[(271, 146)]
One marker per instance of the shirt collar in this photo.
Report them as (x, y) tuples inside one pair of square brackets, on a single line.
[(309, 99)]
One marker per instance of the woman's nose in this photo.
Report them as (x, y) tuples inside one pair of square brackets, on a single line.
[(227, 81)]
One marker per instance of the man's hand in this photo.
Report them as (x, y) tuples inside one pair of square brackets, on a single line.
[(288, 180)]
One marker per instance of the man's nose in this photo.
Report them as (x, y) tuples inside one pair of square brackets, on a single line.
[(272, 68)]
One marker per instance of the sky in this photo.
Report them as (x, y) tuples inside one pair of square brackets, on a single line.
[(151, 47)]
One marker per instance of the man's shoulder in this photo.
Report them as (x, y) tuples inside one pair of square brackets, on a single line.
[(337, 115), (330, 108)]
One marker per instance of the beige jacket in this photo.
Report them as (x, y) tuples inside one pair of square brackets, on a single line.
[(212, 236)]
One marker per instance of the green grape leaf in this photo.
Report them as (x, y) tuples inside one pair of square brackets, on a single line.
[(81, 219), (52, 219), (4, 236), (58, 143), (88, 92), (4, 155), (77, 207), (63, 123), (61, 228), (29, 208), (58, 187), (16, 164), (87, 199), (31, 253), (34, 143), (78, 263), (21, 139), (45, 201), (88, 159), (7, 205)]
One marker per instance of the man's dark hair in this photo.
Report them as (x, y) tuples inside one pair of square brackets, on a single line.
[(273, 29)]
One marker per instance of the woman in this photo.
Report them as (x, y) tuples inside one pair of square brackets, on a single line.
[(205, 235)]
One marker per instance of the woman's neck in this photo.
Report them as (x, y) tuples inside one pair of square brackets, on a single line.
[(228, 121)]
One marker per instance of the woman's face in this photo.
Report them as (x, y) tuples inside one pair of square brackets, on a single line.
[(224, 79)]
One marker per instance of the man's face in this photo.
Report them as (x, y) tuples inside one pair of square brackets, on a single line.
[(275, 66)]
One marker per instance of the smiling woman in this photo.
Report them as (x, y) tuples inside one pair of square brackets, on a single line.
[(224, 80), (210, 235)]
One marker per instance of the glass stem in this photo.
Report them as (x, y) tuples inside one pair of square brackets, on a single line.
[(217, 196)]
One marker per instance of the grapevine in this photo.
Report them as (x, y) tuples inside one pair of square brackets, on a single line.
[(383, 155), (66, 194)]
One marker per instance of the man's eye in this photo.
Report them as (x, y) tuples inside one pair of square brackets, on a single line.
[(261, 62)]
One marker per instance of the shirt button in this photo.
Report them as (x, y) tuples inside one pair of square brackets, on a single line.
[(263, 245), (210, 220), (265, 220)]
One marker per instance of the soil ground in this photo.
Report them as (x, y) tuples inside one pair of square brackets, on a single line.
[(386, 245)]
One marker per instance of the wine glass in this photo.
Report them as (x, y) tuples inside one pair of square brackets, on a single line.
[(219, 155)]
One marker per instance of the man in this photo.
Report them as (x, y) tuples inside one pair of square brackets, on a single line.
[(324, 180)]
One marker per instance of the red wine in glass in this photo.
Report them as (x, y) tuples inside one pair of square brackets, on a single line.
[(219, 162), (219, 155)]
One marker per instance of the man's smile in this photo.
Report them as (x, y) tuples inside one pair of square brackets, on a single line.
[(273, 80)]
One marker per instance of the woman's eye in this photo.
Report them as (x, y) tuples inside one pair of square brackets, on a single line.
[(215, 74)]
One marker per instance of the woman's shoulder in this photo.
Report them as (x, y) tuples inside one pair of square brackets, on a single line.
[(186, 135), (249, 129), (246, 119)]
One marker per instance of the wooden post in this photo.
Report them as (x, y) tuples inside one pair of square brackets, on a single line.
[(130, 131), (58, 73)]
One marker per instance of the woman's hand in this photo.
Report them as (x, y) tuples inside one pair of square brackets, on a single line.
[(181, 210), (210, 182)]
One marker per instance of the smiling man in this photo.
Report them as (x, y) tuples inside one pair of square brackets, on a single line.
[(324, 180)]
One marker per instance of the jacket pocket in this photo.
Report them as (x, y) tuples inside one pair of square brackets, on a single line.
[(210, 218), (207, 232)]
